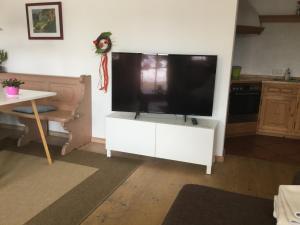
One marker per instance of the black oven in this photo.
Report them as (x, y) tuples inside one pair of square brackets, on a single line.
[(244, 102)]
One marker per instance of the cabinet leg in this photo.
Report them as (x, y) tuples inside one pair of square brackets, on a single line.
[(108, 153), (208, 169)]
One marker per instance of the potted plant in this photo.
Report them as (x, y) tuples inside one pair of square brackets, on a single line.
[(3, 58), (12, 86)]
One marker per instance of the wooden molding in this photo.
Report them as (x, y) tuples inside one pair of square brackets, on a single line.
[(219, 159), (12, 126), (279, 19), (58, 134), (98, 140), (241, 129), (240, 29)]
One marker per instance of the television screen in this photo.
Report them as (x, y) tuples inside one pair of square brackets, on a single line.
[(171, 84)]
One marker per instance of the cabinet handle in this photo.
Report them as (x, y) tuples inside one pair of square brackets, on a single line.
[(273, 89), (287, 90)]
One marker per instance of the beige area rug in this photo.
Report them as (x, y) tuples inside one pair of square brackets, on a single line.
[(28, 179)]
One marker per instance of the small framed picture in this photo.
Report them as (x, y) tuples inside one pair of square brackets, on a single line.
[(44, 20)]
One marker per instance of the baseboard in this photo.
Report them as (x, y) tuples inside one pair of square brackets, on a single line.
[(98, 140), (241, 129), (219, 158)]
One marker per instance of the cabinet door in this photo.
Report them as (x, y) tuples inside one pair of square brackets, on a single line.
[(297, 120), (277, 114), (130, 136), (185, 144)]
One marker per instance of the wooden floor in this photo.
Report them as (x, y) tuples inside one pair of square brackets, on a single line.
[(274, 149), (147, 195)]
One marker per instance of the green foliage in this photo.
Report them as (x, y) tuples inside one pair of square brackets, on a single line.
[(106, 34), (3, 56), (103, 43), (44, 21), (12, 83)]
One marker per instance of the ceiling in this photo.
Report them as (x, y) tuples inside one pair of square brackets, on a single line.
[(274, 7)]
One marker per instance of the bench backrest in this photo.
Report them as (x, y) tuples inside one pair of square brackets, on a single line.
[(70, 91)]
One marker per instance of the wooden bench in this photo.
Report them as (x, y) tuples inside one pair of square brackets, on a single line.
[(73, 103)]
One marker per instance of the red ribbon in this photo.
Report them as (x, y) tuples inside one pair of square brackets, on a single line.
[(103, 85)]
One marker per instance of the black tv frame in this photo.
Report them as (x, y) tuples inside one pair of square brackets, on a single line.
[(137, 112)]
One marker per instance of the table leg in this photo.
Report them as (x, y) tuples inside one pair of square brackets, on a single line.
[(38, 121), (108, 153)]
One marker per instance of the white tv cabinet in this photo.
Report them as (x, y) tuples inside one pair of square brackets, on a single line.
[(164, 137)]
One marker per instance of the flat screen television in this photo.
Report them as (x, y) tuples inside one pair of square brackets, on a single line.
[(170, 84)]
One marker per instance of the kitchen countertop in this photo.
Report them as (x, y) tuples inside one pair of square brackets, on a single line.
[(282, 82), (262, 78)]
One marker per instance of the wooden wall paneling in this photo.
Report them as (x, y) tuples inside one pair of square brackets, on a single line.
[(73, 101), (80, 129)]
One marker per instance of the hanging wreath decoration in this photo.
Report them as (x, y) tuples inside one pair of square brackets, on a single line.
[(103, 45)]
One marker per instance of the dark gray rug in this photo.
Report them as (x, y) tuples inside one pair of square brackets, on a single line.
[(199, 205), (77, 204)]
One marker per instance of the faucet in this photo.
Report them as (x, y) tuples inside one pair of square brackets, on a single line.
[(287, 74)]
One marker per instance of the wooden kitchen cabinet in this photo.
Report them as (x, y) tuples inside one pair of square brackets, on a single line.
[(279, 111), (277, 114), (297, 119)]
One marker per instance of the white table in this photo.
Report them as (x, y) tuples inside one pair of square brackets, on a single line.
[(30, 95)]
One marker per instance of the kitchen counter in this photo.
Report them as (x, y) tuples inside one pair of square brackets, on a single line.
[(279, 106), (291, 82), (263, 78), (253, 79)]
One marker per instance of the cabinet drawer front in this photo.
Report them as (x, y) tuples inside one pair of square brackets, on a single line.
[(280, 89), (292, 91), (273, 89), (193, 145), (130, 136)]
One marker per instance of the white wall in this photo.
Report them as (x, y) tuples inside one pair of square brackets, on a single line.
[(277, 48), (166, 26), (270, 53)]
